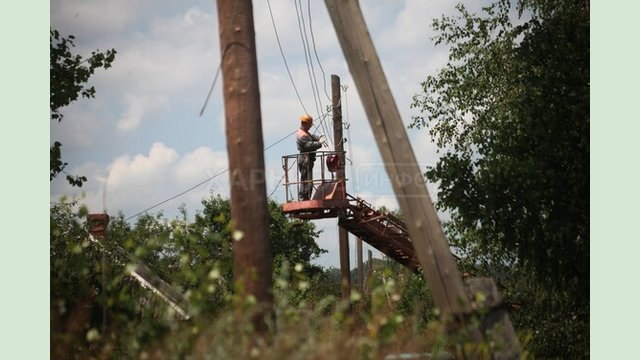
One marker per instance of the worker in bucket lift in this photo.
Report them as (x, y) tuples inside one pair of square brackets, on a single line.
[(307, 145)]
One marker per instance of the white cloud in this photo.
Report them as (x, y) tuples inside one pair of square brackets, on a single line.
[(141, 169), (201, 163), (157, 63), (94, 18), (167, 57), (139, 107), (135, 183), (194, 15)]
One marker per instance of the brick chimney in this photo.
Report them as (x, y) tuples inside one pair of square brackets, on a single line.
[(98, 225)]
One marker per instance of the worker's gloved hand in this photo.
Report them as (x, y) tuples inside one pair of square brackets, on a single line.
[(321, 138)]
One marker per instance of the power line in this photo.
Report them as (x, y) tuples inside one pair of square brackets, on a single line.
[(354, 186), (314, 88), (329, 128), (307, 56), (305, 47), (275, 187), (286, 65), (178, 195), (279, 181), (315, 51), (199, 184), (279, 141), (309, 61), (211, 178), (215, 79), (321, 125)]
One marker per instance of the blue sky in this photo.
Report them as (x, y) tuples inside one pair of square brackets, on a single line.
[(142, 136)]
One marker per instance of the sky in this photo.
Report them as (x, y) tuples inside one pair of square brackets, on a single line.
[(153, 94), (141, 140)]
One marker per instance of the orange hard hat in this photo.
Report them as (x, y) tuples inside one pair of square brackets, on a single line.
[(306, 118)]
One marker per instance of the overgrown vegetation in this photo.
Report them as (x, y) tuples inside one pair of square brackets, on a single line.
[(99, 311), (510, 114)]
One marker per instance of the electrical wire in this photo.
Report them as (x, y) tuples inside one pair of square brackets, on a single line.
[(211, 178), (199, 184), (354, 185), (176, 196), (315, 51), (279, 181), (310, 65), (275, 187), (305, 48), (314, 82), (284, 59), (311, 72), (279, 141), (314, 87), (215, 79), (321, 126)]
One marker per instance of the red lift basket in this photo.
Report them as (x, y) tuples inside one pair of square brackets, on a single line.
[(333, 163)]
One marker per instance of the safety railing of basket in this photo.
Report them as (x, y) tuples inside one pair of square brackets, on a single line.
[(293, 183)]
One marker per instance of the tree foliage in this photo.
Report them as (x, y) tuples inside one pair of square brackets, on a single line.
[(510, 115), (68, 76), (94, 300), (99, 311), (291, 240)]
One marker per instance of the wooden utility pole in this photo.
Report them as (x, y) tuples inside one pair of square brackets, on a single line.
[(98, 224), (360, 267), (431, 247), (369, 271), (343, 235), (251, 248)]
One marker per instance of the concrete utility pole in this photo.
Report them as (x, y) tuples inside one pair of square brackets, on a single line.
[(343, 235), (431, 247), (251, 248)]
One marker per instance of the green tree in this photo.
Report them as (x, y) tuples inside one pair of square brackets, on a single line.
[(510, 115), (68, 76), (92, 298), (98, 310), (291, 240), (185, 252)]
